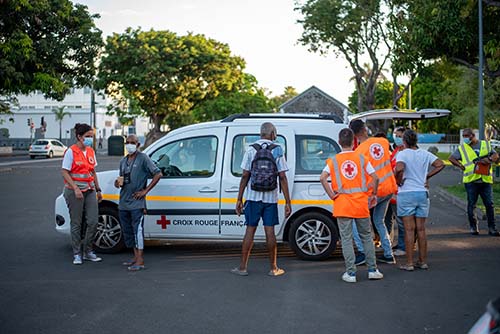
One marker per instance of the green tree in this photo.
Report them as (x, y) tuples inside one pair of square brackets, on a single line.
[(59, 113), (288, 94), (357, 30), (383, 97), (49, 46), (449, 29)]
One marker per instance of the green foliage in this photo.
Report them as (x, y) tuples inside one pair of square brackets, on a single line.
[(383, 96), (168, 75), (49, 46), (59, 114), (449, 29), (288, 94)]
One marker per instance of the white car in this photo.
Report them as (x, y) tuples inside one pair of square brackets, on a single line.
[(47, 148), (196, 197)]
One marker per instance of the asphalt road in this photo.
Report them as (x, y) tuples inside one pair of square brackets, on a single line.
[(187, 287)]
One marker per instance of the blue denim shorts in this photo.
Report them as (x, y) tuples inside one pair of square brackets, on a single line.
[(254, 211), (413, 203)]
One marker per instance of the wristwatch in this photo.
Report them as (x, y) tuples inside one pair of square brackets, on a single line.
[(98, 190)]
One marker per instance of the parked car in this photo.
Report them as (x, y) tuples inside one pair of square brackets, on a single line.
[(47, 147), (196, 197)]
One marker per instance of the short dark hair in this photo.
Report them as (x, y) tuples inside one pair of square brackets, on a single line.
[(81, 129), (468, 131), (357, 126), (380, 134), (399, 129), (410, 138), (346, 137)]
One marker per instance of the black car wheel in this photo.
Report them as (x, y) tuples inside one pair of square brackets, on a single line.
[(313, 236), (109, 237)]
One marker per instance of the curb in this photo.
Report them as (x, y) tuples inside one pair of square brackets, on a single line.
[(460, 203)]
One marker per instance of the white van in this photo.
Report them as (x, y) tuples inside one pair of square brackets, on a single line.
[(196, 197)]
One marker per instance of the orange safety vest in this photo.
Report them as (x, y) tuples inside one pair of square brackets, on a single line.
[(349, 179), (82, 168), (376, 150)]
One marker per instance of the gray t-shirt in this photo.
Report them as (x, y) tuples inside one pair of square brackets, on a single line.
[(140, 169)]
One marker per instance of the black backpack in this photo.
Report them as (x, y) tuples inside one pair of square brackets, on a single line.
[(264, 171)]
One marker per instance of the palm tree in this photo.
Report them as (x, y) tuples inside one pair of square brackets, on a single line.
[(60, 114)]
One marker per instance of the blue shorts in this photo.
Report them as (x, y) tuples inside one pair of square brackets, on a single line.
[(413, 203), (254, 211)]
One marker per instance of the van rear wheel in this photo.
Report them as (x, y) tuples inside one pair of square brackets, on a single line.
[(313, 236)]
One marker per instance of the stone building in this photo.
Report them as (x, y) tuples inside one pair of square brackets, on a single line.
[(314, 101)]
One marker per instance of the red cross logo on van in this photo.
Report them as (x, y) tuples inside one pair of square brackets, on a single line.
[(376, 151), (163, 222), (349, 169)]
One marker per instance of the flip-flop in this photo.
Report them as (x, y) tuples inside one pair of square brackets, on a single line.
[(128, 263), (420, 265), (277, 272), (136, 267), (237, 271), (407, 267)]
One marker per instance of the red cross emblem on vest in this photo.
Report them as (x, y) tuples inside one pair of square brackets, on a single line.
[(349, 169), (376, 151), (163, 222)]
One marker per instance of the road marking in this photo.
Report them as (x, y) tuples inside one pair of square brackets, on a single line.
[(22, 162)]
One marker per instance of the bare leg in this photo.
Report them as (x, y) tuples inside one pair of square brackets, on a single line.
[(247, 246), (138, 257), (409, 222), (271, 246), (422, 240)]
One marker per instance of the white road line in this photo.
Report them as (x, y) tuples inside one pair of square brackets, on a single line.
[(22, 162)]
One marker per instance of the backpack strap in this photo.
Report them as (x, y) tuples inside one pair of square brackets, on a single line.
[(257, 147)]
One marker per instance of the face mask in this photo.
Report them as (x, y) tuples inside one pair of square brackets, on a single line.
[(467, 140), (398, 141), (131, 148), (88, 141)]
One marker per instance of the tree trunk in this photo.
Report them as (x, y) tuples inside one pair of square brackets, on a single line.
[(60, 130), (156, 132)]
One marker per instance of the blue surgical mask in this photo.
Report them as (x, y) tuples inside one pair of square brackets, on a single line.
[(398, 141), (467, 141), (88, 141)]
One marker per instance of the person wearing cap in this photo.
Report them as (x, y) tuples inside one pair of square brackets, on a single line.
[(475, 157)]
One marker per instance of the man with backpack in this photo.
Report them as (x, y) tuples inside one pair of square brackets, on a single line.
[(263, 164)]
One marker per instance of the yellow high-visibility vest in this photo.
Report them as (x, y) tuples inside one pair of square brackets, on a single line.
[(468, 155)]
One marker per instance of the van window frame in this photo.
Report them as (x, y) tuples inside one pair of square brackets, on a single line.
[(298, 140)]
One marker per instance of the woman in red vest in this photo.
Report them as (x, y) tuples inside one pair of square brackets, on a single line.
[(81, 192)]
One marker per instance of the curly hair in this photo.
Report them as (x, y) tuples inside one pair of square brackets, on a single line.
[(81, 129), (410, 138)]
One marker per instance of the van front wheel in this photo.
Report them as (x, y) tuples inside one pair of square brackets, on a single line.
[(313, 236)]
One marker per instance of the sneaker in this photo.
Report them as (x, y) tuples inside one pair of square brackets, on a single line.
[(373, 275), (493, 232), (399, 252), (360, 259), (474, 231), (385, 259), (77, 259), (90, 256), (349, 277)]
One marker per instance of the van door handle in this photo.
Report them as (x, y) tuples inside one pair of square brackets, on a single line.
[(233, 189), (207, 190)]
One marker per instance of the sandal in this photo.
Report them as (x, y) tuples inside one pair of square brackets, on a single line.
[(239, 272), (421, 265), (276, 272), (136, 267), (128, 263), (407, 267)]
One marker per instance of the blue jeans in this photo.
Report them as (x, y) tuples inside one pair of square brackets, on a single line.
[(393, 210), (485, 190), (378, 216), (132, 223)]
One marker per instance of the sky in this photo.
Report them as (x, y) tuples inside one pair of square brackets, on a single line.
[(263, 32)]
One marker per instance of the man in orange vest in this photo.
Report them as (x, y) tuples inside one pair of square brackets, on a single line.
[(376, 150), (352, 193)]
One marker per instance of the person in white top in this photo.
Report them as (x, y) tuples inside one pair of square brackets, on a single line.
[(412, 173)]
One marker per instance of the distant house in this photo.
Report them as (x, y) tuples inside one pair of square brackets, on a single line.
[(314, 101)]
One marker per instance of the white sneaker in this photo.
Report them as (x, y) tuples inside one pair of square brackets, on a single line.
[(77, 259), (349, 278), (90, 256), (399, 252), (375, 274)]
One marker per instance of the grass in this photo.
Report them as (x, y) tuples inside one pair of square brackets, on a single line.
[(443, 155), (459, 191)]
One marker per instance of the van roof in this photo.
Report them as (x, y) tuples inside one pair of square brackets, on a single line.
[(234, 117)]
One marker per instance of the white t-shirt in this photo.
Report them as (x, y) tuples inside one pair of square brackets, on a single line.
[(68, 159), (417, 164), (369, 168)]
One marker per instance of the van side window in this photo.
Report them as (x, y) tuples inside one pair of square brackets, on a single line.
[(241, 144), (190, 157), (312, 152)]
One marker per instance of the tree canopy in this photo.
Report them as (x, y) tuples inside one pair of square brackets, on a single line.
[(167, 75), (49, 46)]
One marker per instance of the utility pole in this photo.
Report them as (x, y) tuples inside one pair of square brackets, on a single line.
[(92, 113), (481, 66)]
